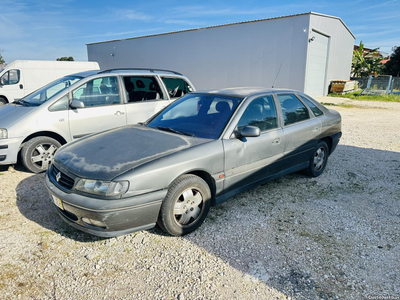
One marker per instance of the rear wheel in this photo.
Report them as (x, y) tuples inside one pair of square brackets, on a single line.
[(37, 154), (186, 205), (318, 160)]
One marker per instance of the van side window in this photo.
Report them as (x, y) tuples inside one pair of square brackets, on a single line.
[(293, 110), (10, 77), (176, 87), (97, 92), (260, 113), (142, 88)]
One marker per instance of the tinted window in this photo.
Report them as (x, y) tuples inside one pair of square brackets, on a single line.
[(10, 77), (316, 111), (200, 115), (97, 92), (293, 110), (176, 87), (142, 88), (261, 113)]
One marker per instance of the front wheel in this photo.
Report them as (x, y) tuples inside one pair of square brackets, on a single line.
[(318, 160), (3, 101), (37, 154), (186, 205)]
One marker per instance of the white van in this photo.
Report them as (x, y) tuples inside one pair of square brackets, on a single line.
[(22, 77)]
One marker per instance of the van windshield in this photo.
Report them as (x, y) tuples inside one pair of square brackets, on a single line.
[(45, 93)]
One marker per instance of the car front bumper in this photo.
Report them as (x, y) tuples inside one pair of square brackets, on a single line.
[(119, 217), (9, 149)]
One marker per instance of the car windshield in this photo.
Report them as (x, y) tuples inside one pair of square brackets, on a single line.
[(48, 91), (199, 115)]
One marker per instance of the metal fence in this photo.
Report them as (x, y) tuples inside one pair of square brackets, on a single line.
[(382, 84)]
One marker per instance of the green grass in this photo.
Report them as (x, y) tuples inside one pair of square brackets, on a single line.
[(353, 96)]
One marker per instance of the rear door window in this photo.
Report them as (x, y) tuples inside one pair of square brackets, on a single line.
[(142, 88), (316, 111), (293, 109)]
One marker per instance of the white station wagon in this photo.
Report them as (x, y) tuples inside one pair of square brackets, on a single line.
[(81, 104)]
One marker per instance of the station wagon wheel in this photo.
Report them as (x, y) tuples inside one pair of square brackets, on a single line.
[(37, 154), (186, 205), (318, 160), (3, 101)]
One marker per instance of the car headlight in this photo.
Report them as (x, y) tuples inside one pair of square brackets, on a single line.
[(3, 133), (102, 188)]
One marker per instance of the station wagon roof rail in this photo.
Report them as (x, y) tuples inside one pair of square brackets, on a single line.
[(139, 69)]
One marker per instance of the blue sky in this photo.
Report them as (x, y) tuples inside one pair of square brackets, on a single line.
[(49, 29)]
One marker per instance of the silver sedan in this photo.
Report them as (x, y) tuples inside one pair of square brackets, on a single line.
[(198, 152)]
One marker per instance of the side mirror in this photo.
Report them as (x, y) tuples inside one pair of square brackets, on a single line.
[(77, 104), (249, 131)]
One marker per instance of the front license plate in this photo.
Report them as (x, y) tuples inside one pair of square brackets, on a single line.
[(58, 203)]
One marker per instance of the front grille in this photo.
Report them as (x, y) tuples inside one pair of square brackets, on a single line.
[(62, 179)]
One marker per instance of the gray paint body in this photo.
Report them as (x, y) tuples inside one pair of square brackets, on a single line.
[(251, 53), (151, 160)]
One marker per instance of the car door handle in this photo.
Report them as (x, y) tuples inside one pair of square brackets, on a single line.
[(276, 141), (315, 129), (117, 113)]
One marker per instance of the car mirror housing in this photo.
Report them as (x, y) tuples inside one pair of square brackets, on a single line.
[(77, 104), (249, 131)]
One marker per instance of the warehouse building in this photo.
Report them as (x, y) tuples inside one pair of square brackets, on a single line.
[(303, 52)]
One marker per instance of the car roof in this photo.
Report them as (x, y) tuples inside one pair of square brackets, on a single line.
[(244, 92)]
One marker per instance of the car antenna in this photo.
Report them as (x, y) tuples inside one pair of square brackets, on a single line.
[(273, 85)]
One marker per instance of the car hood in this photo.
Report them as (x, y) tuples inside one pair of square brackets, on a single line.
[(106, 155), (11, 113)]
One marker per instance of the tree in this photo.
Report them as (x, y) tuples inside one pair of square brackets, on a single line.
[(392, 67), (64, 58), (2, 61), (366, 62)]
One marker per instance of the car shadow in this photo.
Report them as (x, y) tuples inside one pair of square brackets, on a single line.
[(282, 238)]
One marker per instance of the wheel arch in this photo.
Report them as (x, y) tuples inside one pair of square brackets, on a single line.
[(207, 178), (50, 134), (329, 141)]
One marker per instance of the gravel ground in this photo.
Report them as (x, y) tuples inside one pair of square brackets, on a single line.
[(332, 237)]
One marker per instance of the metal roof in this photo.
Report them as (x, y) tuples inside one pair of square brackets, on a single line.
[(229, 24)]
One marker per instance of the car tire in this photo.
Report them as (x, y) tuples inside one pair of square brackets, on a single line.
[(37, 153), (3, 101), (185, 206), (318, 160)]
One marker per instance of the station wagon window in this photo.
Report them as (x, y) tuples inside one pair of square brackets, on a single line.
[(316, 111), (97, 92), (61, 104), (142, 88), (260, 113), (176, 87), (293, 110), (10, 77)]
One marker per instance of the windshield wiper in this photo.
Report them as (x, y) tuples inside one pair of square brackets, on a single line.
[(22, 102), (174, 130)]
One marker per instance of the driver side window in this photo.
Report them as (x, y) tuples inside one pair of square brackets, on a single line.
[(98, 92), (261, 113), (10, 77)]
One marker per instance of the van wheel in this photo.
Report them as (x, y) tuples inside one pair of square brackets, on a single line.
[(37, 153), (186, 205), (3, 101)]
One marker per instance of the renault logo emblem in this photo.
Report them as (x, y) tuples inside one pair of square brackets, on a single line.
[(58, 176)]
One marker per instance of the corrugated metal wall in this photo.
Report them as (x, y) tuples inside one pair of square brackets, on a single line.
[(245, 54)]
